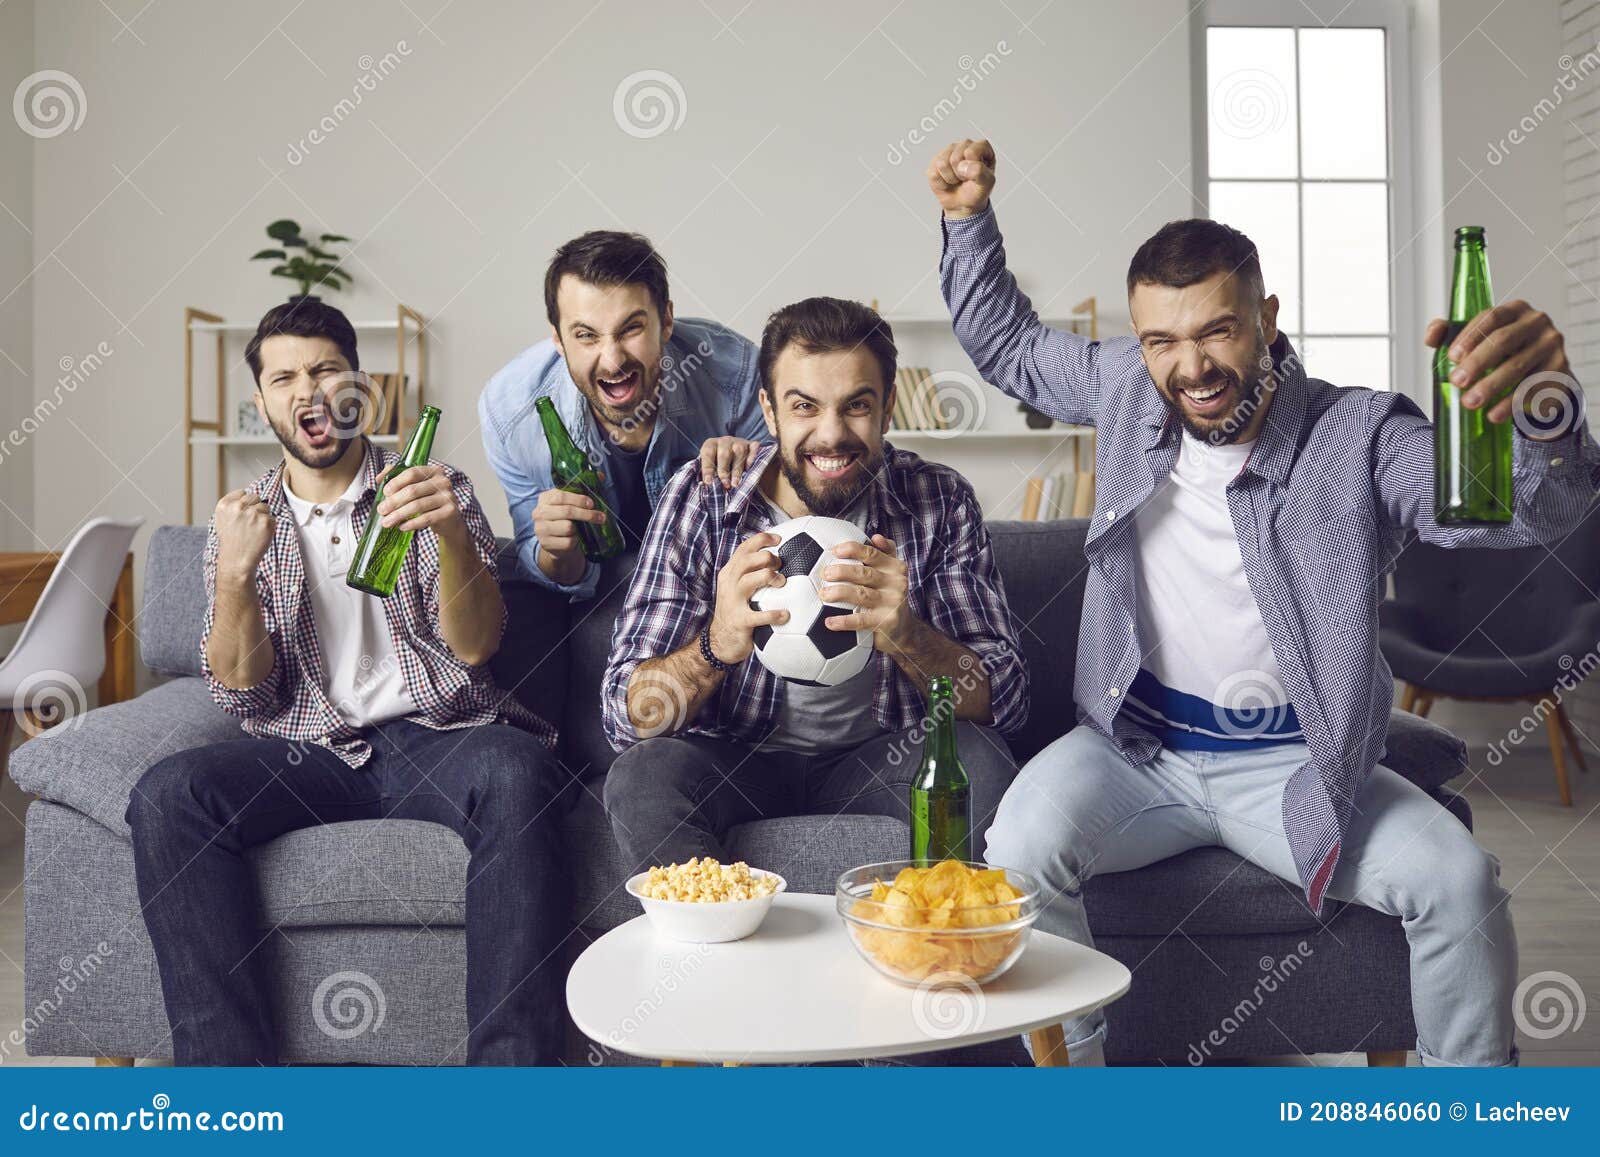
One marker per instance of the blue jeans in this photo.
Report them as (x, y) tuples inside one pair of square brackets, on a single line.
[(1079, 809), (195, 813)]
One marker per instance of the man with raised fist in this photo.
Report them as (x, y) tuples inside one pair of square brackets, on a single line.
[(1229, 686), (355, 708)]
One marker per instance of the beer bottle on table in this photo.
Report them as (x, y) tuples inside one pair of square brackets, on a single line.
[(382, 550), (573, 472), (941, 794), (1472, 454)]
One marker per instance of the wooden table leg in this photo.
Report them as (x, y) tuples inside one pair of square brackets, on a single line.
[(1049, 1047), (116, 684), (669, 1063), (1387, 1059), (113, 1062)]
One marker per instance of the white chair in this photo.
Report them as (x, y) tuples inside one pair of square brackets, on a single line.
[(62, 651)]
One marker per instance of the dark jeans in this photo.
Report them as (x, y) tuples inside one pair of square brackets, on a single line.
[(196, 812), (672, 798)]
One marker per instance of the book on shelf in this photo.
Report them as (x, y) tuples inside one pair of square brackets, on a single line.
[(916, 402), (1050, 496)]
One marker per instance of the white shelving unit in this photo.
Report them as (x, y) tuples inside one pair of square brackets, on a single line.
[(214, 433)]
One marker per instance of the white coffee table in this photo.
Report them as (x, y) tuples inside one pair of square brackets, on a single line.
[(797, 991)]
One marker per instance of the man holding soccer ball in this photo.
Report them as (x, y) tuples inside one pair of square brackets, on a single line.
[(899, 554)]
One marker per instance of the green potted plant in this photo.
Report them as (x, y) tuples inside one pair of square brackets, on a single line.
[(312, 264)]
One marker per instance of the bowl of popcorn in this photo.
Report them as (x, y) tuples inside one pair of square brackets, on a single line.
[(945, 923), (705, 901)]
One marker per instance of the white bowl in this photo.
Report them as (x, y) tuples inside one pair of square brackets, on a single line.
[(705, 922)]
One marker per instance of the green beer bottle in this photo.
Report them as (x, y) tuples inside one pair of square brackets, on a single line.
[(382, 549), (574, 473), (941, 794), (1472, 455)]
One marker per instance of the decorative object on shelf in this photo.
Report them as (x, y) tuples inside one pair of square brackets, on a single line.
[(391, 414), (250, 423), (1034, 419), (314, 267)]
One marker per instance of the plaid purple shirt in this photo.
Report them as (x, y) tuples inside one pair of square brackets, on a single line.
[(927, 510), (291, 703), (1336, 484)]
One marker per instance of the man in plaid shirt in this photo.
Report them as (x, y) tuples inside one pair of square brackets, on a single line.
[(358, 708), (709, 737)]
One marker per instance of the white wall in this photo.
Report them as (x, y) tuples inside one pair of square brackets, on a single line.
[(494, 139), (16, 296)]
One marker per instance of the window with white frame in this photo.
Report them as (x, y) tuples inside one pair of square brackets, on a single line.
[(1297, 154)]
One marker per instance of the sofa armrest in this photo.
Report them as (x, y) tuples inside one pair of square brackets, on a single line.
[(1423, 752), (92, 762)]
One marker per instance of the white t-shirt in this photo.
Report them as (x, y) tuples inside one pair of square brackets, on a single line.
[(363, 677), (1209, 678)]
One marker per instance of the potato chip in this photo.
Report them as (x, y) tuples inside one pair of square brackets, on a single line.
[(926, 910)]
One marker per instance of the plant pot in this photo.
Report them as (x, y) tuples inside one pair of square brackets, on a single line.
[(299, 298)]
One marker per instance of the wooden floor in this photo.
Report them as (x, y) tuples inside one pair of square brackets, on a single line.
[(1550, 860)]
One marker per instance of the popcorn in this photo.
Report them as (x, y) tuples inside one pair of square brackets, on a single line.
[(706, 881)]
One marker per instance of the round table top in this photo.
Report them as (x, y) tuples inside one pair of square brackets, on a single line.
[(798, 991)]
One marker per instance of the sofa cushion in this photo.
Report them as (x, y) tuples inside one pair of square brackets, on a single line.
[(1422, 751), (1209, 892), (1043, 568), (174, 600), (92, 762)]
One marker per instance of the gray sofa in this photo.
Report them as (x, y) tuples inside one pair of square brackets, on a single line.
[(384, 898)]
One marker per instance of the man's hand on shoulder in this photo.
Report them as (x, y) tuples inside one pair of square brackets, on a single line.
[(724, 459)]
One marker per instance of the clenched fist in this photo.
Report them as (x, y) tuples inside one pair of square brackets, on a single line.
[(244, 534), (962, 177)]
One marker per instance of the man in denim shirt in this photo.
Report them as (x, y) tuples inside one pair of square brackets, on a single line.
[(1229, 686), (639, 391)]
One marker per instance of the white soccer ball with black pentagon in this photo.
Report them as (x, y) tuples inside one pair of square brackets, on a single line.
[(802, 649)]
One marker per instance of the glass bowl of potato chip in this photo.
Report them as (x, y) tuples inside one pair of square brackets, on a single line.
[(704, 901), (948, 922)]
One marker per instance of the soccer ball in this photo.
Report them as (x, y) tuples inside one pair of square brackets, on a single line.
[(803, 650)]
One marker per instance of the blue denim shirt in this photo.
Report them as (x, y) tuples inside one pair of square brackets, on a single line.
[(1337, 484), (709, 388)]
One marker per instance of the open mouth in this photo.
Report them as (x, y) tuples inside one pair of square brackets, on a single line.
[(621, 389), (1208, 400), (317, 427), (831, 466)]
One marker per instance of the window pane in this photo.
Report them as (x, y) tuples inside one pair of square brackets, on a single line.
[(1251, 127), (1348, 361), (1268, 213), (1346, 255), (1343, 103)]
